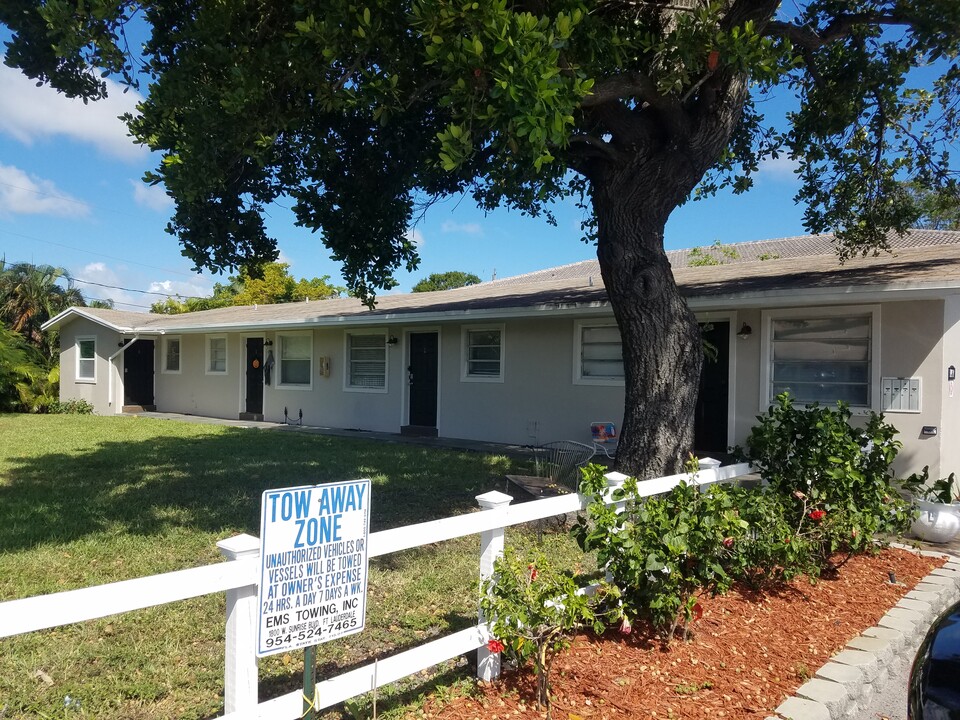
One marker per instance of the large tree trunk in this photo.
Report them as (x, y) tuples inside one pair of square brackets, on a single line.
[(662, 350)]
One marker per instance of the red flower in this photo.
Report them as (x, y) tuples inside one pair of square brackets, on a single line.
[(697, 611), (626, 627), (533, 571), (495, 646), (712, 60), (728, 542), (477, 72), (818, 515)]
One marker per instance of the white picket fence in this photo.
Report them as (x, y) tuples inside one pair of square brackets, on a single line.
[(239, 575)]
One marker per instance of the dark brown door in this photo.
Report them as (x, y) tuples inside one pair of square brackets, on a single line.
[(138, 374), (254, 402), (710, 420), (423, 379)]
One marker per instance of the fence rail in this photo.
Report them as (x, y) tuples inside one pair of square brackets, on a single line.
[(238, 577)]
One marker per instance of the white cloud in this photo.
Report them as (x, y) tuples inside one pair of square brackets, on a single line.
[(23, 194), (152, 197), (98, 272), (104, 275), (28, 112), (183, 288), (466, 228), (780, 168), (415, 236)]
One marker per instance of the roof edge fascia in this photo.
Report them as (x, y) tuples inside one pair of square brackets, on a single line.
[(822, 296), (399, 317), (64, 316)]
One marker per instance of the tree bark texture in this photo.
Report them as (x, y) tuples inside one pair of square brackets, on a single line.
[(662, 353), (662, 349)]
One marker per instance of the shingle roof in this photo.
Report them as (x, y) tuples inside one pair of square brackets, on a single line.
[(922, 258), (736, 253)]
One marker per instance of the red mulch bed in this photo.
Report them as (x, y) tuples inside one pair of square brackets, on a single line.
[(748, 653)]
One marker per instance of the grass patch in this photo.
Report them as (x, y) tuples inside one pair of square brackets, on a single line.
[(87, 500)]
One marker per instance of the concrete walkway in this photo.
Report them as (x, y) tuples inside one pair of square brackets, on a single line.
[(520, 451)]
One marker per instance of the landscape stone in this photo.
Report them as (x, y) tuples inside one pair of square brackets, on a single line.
[(940, 580), (883, 649), (944, 572), (924, 608), (866, 662), (830, 694), (847, 675), (794, 708), (909, 629), (936, 600), (896, 638), (911, 615)]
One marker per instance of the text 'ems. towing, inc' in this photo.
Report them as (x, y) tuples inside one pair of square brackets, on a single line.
[(313, 578)]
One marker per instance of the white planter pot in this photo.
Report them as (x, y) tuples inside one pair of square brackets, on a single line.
[(938, 523)]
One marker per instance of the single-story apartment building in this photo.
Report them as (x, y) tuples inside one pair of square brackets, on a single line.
[(536, 358)]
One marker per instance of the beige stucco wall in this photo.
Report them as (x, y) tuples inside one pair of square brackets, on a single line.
[(537, 401), (93, 392), (910, 346)]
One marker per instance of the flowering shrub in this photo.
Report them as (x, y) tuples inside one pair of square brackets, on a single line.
[(535, 608), (662, 552), (834, 479)]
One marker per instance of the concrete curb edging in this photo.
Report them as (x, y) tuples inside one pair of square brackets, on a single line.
[(851, 677)]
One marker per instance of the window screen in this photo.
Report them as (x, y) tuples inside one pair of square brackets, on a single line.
[(483, 353), (218, 355), (87, 358), (601, 354), (295, 353), (822, 359), (368, 361)]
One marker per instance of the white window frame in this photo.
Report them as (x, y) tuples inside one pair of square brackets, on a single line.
[(578, 376), (766, 348), (84, 378), (465, 331), (279, 360), (347, 342), (164, 348), (226, 355)]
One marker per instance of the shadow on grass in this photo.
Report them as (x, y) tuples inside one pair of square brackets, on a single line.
[(213, 481)]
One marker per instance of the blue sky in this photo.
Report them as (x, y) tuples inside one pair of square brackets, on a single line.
[(71, 195)]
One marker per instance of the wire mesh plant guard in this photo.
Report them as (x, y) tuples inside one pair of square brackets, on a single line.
[(561, 462)]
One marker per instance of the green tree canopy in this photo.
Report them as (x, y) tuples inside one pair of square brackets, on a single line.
[(29, 296), (274, 285), (938, 209), (360, 112), (446, 281)]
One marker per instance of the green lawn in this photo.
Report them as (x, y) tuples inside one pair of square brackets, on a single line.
[(89, 500)]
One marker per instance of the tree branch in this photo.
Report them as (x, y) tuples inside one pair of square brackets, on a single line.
[(597, 147), (839, 28), (620, 87)]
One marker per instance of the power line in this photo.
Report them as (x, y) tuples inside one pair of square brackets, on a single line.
[(46, 194), (91, 252), (72, 278), (117, 287)]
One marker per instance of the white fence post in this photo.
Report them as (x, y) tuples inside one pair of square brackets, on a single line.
[(240, 691), (491, 547)]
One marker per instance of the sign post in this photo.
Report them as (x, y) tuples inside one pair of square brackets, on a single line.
[(313, 574)]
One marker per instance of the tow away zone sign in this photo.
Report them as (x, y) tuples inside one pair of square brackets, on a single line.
[(313, 574)]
